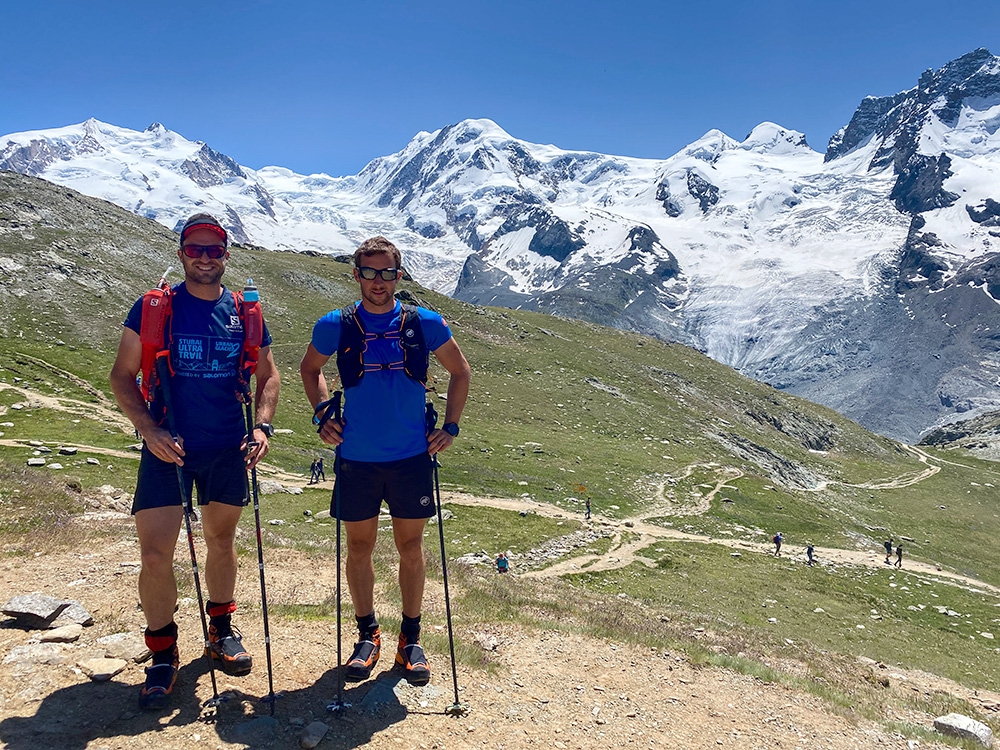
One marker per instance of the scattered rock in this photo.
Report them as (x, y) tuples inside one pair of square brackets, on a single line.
[(67, 451), (55, 466), (313, 734), (446, 515), (36, 462), (102, 670), (128, 646), (36, 653), (34, 611), (93, 461), (486, 641), (73, 613), (65, 634), (957, 725)]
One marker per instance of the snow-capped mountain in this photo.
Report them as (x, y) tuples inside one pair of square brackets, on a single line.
[(862, 278)]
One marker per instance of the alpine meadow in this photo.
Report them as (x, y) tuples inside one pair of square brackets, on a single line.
[(690, 468)]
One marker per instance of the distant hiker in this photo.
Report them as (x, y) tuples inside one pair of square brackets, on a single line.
[(384, 447), (888, 549), (777, 539), (503, 564), (899, 555), (319, 470), (809, 553), (211, 448), (313, 474), (588, 509)]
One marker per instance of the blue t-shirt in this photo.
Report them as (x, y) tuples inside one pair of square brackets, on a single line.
[(207, 339), (384, 413)]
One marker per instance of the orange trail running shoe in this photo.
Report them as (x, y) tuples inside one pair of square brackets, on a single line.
[(160, 679), (414, 662), (365, 656), (226, 647)]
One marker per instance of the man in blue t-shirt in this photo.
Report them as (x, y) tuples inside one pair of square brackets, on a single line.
[(212, 450), (385, 449)]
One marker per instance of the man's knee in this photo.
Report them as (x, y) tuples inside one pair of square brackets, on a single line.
[(158, 561), (411, 550)]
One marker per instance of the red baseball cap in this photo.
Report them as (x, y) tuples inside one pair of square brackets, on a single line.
[(204, 221)]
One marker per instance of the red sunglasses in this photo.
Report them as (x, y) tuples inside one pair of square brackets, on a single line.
[(212, 251)]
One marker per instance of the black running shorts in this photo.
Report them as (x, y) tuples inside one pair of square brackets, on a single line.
[(220, 476), (405, 485)]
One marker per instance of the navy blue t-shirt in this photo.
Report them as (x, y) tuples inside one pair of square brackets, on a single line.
[(207, 339), (384, 413)]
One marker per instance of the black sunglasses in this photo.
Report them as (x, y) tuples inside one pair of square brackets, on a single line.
[(368, 273), (212, 251)]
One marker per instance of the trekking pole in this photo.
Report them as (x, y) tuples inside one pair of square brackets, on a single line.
[(164, 378), (271, 697), (457, 708), (332, 408)]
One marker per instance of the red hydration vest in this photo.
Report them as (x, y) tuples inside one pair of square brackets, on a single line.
[(156, 335)]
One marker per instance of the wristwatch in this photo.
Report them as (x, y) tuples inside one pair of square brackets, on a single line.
[(266, 427), (451, 428)]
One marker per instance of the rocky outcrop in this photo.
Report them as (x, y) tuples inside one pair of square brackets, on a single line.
[(810, 433), (780, 469), (894, 121), (871, 118), (986, 214), (702, 190), (920, 184), (209, 168), (553, 237), (33, 158), (671, 206), (918, 265)]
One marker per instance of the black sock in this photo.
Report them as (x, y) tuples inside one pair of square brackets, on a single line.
[(220, 616), (167, 632), (410, 629), (366, 625)]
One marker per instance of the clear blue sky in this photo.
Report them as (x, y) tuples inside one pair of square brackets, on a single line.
[(328, 86)]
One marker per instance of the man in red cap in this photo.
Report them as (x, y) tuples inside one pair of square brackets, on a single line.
[(212, 450)]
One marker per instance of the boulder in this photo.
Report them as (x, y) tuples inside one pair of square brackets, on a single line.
[(34, 611), (102, 670), (65, 634), (957, 725)]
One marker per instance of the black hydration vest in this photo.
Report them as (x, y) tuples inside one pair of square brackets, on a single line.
[(354, 341)]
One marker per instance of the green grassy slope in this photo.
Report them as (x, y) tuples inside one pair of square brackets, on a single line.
[(647, 427)]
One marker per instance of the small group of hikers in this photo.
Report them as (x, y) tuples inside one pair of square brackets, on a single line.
[(316, 473), (195, 437), (888, 552), (779, 538)]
